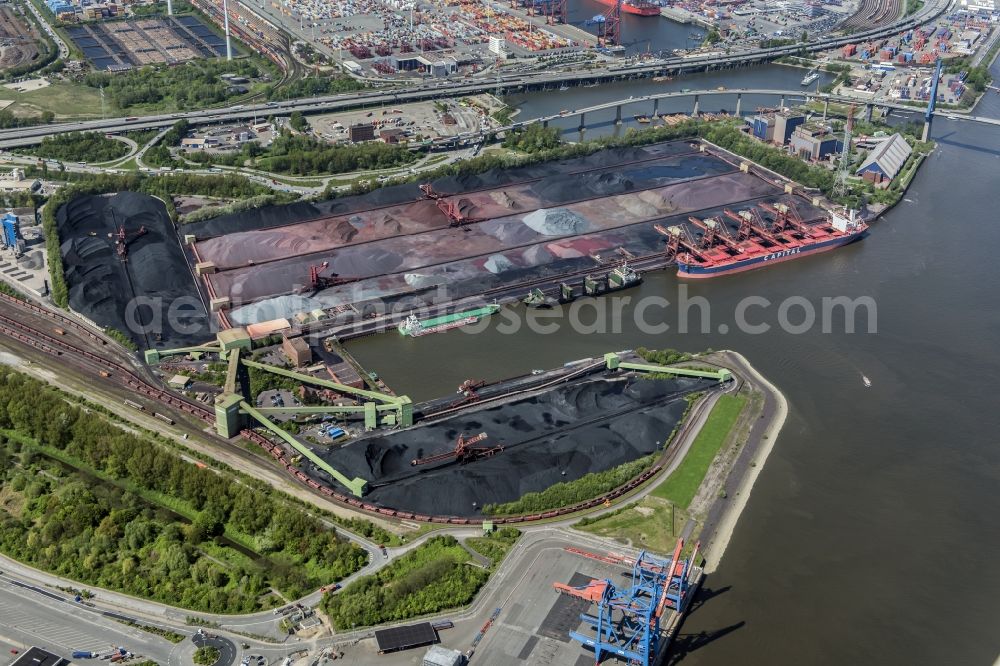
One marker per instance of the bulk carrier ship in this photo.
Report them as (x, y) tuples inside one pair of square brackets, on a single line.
[(637, 7), (757, 243), (414, 327)]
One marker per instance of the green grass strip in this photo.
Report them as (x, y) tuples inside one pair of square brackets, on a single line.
[(681, 486)]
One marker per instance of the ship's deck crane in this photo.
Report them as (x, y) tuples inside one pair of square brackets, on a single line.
[(464, 451), (678, 238), (123, 238), (715, 230), (785, 216), (752, 223)]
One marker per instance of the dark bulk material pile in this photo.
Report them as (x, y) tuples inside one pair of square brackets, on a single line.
[(560, 435), (536, 222), (102, 286)]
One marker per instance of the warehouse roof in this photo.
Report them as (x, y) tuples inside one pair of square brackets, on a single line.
[(405, 638), (38, 657), (889, 156)]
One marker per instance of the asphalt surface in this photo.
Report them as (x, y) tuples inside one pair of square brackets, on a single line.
[(34, 615), (226, 648)]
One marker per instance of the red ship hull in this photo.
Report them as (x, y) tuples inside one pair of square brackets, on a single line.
[(639, 8), (690, 269)]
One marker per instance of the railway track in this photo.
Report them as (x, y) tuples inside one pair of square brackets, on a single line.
[(54, 344)]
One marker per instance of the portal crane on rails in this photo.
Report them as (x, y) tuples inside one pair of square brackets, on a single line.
[(609, 31), (451, 209), (469, 392), (628, 619), (464, 451), (317, 280)]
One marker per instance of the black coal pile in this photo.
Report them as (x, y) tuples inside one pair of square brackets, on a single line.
[(104, 288), (560, 435)]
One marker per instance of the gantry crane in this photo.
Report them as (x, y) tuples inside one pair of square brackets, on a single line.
[(464, 451), (609, 31), (628, 619)]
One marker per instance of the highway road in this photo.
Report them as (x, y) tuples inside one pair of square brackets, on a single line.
[(34, 615), (430, 90), (53, 35)]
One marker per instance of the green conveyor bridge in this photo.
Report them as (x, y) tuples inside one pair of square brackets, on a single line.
[(233, 407), (614, 362)]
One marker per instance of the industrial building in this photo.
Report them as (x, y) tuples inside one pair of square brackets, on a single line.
[(11, 237), (35, 656), (813, 141), (785, 124), (297, 350), (763, 127), (361, 132), (439, 66), (775, 127), (14, 181), (441, 656), (886, 160)]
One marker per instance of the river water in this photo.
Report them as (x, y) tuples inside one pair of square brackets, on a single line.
[(870, 537)]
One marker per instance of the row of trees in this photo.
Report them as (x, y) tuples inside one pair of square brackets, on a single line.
[(663, 356), (428, 579), (81, 147), (564, 494), (295, 551), (533, 138), (303, 155), (9, 120), (314, 86)]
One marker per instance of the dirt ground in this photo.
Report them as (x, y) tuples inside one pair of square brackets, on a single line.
[(19, 38)]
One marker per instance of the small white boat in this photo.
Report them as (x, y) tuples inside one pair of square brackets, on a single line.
[(868, 382)]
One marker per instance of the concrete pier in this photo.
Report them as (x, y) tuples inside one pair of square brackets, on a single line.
[(739, 103), (618, 115), (695, 111), (656, 107), (868, 112), (826, 108), (583, 121)]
